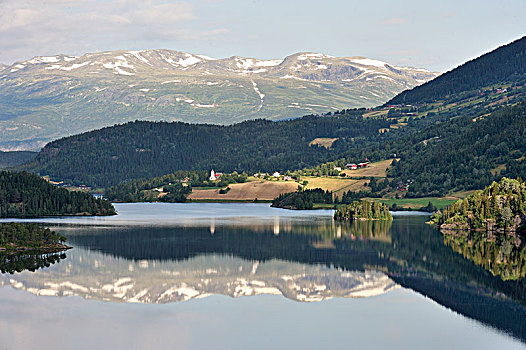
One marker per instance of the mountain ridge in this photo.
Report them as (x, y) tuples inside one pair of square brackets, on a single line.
[(48, 97)]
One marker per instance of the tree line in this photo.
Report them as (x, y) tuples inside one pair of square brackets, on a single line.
[(26, 195), (363, 210), (142, 149)]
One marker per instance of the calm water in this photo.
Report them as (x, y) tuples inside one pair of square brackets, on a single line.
[(246, 276)]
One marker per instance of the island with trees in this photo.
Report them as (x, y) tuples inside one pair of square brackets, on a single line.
[(363, 210), (17, 237), (25, 195)]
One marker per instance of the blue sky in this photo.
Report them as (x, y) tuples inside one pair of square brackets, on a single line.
[(434, 35)]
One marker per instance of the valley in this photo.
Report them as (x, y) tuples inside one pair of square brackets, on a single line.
[(209, 174)]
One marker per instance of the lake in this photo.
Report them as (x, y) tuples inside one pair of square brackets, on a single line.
[(247, 276)]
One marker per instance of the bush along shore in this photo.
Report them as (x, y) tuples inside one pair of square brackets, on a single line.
[(16, 237), (363, 210)]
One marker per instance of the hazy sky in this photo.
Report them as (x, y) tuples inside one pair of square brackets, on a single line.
[(436, 35)]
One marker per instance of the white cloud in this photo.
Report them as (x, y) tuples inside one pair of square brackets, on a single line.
[(43, 27)]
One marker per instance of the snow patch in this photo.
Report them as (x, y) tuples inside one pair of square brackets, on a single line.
[(117, 66), (268, 63), (137, 54), (261, 95), (206, 58), (188, 61), (199, 105), (369, 62), (69, 68), (17, 67), (170, 81), (42, 59), (307, 56), (292, 77), (244, 62)]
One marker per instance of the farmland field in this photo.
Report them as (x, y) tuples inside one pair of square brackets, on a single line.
[(377, 169), (334, 184), (248, 191), (415, 203)]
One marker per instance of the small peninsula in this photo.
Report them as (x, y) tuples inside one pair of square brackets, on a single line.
[(499, 208), (489, 228), (363, 210), (25, 195), (16, 237)]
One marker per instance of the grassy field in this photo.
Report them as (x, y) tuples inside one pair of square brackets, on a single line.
[(376, 114), (248, 191), (323, 141), (334, 184), (377, 169), (415, 203)]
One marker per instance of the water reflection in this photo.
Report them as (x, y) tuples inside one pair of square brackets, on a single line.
[(304, 259), (18, 262), (503, 256), (94, 275)]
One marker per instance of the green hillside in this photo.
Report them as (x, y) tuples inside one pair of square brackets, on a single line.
[(146, 149), (14, 158), (464, 153), (505, 64)]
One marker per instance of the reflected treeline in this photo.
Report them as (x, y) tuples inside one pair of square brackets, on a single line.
[(502, 255), (12, 262), (433, 269), (412, 253), (306, 242)]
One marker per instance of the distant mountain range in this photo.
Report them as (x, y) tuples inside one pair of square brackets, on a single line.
[(45, 98), (469, 135)]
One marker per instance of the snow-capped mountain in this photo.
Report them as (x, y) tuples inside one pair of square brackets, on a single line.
[(93, 275), (48, 97)]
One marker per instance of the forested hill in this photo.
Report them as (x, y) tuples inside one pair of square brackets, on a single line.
[(141, 149), (464, 153), (27, 195), (503, 65), (14, 158)]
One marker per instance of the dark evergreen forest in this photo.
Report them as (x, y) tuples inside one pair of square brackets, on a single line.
[(143, 149), (27, 195), (505, 64)]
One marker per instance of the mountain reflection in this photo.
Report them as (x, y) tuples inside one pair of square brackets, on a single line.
[(94, 275), (167, 264), (304, 260)]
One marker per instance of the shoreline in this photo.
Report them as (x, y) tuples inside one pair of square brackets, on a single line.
[(12, 248)]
